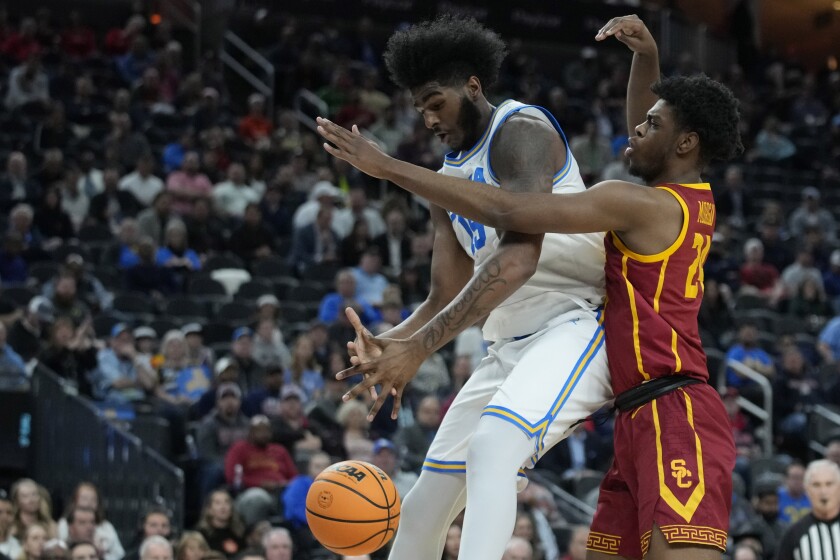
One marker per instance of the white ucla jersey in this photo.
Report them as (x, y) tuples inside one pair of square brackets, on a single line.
[(570, 273)]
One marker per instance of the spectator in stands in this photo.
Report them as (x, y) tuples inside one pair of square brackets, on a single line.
[(810, 214), (266, 399), (809, 303), (777, 246), (89, 288), (352, 416), (217, 432), (122, 252), (23, 43), (112, 205), (54, 132), (91, 181), (278, 206), (794, 503), (13, 267), (355, 244), (32, 507), (25, 334), (86, 496), (395, 244), (334, 304), (12, 367), (175, 152), (28, 87), (175, 255), (766, 523), (831, 281), (304, 370), (180, 383), (269, 347), (715, 315), (139, 57), (16, 185), (147, 276), (50, 219), (416, 439), (532, 527), (386, 456), (152, 222), (85, 108), (518, 548), (757, 276), (232, 196), (9, 545), (221, 526), (816, 532), (370, 283), (747, 351), (66, 300), (130, 146), (576, 549), (262, 468), (323, 193), (188, 184), (291, 427), (353, 112), (32, 539), (142, 183), (828, 344), (73, 201), (149, 94), (191, 546), (252, 240), (771, 144), (360, 209), (732, 203), (84, 551), (71, 353), (277, 544), (77, 39), (80, 523), (316, 243), (156, 548), (241, 353), (206, 231), (155, 522), (197, 353), (255, 128), (592, 151), (120, 376), (294, 496)]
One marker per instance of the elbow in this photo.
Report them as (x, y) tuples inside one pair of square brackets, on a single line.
[(522, 264)]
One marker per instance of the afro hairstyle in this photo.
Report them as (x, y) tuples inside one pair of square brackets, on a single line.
[(708, 108), (448, 50)]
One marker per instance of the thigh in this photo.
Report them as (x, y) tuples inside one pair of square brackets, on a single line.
[(448, 452), (684, 438), (558, 377)]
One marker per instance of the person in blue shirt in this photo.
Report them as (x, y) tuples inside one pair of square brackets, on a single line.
[(265, 399), (12, 367), (333, 304), (122, 375), (294, 497), (793, 501), (748, 352), (829, 341), (370, 283)]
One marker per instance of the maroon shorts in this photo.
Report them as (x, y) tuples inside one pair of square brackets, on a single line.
[(674, 458)]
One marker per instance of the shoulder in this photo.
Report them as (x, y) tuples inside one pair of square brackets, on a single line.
[(523, 127)]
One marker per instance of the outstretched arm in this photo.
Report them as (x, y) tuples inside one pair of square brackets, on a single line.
[(644, 71)]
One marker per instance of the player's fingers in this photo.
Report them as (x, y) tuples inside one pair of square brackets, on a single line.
[(355, 321), (354, 370), (359, 388), (340, 154), (373, 394), (377, 404), (397, 393), (355, 360), (355, 130), (606, 26)]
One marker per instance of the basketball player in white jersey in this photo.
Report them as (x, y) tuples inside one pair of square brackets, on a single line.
[(539, 297)]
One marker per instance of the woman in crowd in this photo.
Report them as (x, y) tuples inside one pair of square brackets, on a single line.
[(180, 382), (192, 546), (33, 538), (220, 524), (32, 505), (304, 371), (86, 495), (9, 545)]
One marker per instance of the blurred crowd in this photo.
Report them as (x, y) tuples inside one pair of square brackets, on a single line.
[(175, 248)]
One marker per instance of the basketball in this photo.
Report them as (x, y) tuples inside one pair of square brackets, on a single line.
[(353, 508)]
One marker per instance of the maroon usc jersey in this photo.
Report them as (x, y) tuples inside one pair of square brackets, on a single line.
[(653, 300)]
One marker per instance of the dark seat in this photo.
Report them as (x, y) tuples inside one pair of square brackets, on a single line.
[(236, 313), (254, 289), (218, 262)]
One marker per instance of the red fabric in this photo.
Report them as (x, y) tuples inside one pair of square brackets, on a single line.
[(762, 276), (79, 42), (117, 41), (642, 347), (19, 47), (254, 128), (679, 478), (271, 464)]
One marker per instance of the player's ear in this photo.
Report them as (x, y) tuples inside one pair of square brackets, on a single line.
[(473, 88), (687, 141)]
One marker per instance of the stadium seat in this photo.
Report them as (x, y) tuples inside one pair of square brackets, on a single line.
[(136, 305), (236, 313), (306, 292), (44, 271), (253, 289), (227, 260), (20, 295), (215, 333), (750, 301), (186, 309), (103, 323), (323, 272), (272, 267)]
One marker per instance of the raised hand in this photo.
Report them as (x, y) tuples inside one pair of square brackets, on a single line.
[(631, 31), (365, 347), (353, 148), (391, 370)]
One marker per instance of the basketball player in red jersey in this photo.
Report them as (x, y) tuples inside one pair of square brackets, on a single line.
[(668, 492)]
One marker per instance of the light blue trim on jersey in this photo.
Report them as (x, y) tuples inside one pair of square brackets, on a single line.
[(566, 166), (539, 429), (457, 160)]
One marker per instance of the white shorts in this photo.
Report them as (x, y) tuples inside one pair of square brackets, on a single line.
[(542, 384)]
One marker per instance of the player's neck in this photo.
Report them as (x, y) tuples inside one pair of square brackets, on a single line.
[(677, 176)]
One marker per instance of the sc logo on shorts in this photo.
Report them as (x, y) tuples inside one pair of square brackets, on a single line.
[(681, 473)]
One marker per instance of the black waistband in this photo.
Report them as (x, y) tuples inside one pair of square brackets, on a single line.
[(649, 390)]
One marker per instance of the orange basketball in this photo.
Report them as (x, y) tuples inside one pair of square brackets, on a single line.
[(353, 508)]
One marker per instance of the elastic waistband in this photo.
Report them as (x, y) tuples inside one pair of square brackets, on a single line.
[(650, 390)]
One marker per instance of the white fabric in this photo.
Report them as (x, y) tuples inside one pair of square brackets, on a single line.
[(571, 267), (144, 189), (105, 538)]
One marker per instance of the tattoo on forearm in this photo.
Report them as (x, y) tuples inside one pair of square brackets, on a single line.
[(468, 308)]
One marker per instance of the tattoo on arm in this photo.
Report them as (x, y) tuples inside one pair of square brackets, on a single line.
[(466, 309)]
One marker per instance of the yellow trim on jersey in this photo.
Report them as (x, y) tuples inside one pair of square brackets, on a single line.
[(686, 510), (678, 367), (667, 252), (480, 144), (631, 294), (697, 186), (659, 286)]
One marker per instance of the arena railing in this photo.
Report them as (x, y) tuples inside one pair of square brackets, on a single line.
[(824, 425), (574, 510), (73, 441), (187, 13), (677, 37), (234, 47), (763, 412)]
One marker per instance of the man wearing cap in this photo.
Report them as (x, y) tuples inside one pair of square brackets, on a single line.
[(323, 193), (89, 288), (225, 371), (387, 457), (242, 354), (26, 333), (261, 467), (811, 214), (217, 432), (122, 375), (197, 353)]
